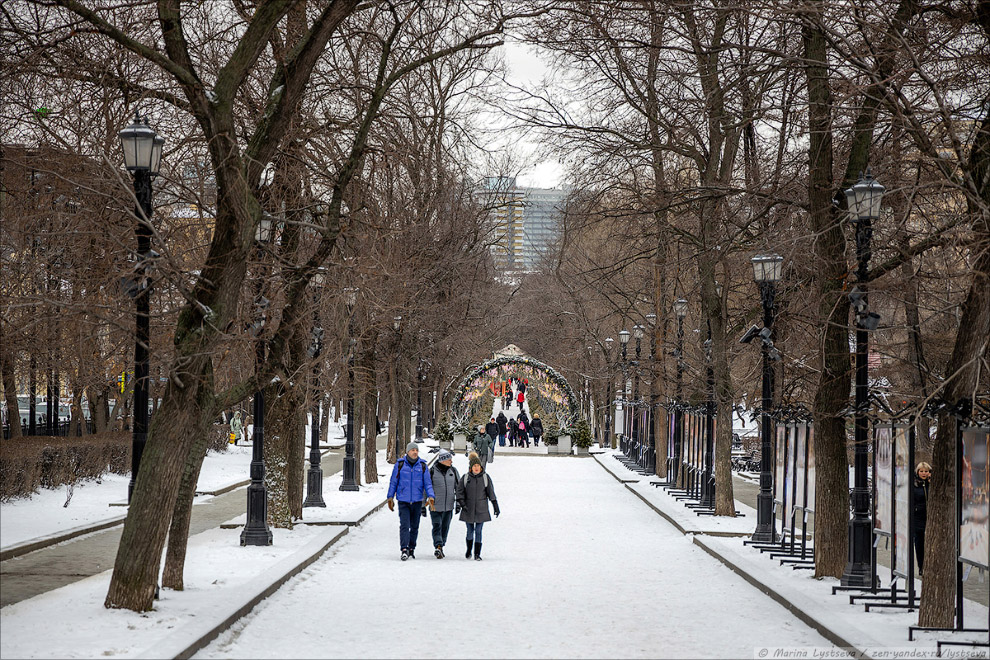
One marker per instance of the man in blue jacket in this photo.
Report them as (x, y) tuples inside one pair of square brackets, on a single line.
[(410, 481)]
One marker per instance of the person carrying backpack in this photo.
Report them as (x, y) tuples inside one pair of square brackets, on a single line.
[(536, 428), (474, 490), (409, 481), (444, 477)]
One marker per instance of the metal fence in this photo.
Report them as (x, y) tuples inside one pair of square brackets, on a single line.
[(60, 429)]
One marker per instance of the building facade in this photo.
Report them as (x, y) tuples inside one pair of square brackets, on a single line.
[(526, 221)]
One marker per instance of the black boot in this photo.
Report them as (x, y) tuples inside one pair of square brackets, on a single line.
[(477, 552), (470, 544)]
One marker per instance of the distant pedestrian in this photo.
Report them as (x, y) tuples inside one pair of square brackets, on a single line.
[(410, 484), (445, 477), (513, 431), (502, 428), (483, 446), (474, 490), (236, 428), (523, 434), (536, 428), (923, 475)]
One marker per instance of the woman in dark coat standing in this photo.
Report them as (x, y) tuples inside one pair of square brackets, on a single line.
[(922, 479), (536, 428), (474, 490)]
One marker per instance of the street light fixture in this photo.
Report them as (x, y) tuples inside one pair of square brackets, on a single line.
[(624, 336), (256, 530), (767, 271), (314, 476), (349, 481), (609, 404), (142, 149), (680, 310), (863, 200)]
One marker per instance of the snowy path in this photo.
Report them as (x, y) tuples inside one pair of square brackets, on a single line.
[(575, 566)]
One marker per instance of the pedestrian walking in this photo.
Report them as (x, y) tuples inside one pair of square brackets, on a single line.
[(483, 446), (410, 484), (236, 428), (474, 490), (513, 431), (922, 480), (444, 476), (523, 431), (536, 428), (502, 428)]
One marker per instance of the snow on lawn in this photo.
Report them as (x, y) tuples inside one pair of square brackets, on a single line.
[(577, 567), (220, 577), (43, 514)]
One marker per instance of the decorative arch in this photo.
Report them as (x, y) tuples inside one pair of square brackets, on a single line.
[(563, 405)]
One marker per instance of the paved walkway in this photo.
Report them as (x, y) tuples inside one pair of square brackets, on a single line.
[(576, 566), (65, 563)]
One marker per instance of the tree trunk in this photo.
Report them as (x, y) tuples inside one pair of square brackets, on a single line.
[(371, 439), (963, 377), (178, 531), (832, 395), (7, 358), (281, 405), (149, 515), (393, 414)]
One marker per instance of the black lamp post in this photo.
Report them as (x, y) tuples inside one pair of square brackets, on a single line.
[(708, 483), (420, 377), (609, 404), (863, 202), (767, 270), (637, 443), (651, 436), (349, 481), (142, 156), (680, 310), (624, 336), (256, 531), (314, 476)]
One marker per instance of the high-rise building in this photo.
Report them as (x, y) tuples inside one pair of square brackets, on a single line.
[(527, 221)]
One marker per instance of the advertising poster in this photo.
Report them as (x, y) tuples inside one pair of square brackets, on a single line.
[(789, 471), (671, 433), (780, 450), (799, 445), (883, 480), (902, 501), (811, 467), (974, 531)]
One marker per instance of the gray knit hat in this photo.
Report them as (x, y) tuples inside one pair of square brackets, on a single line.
[(411, 446), (444, 455)]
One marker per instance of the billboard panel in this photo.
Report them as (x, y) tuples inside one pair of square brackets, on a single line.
[(902, 501), (883, 480), (974, 536)]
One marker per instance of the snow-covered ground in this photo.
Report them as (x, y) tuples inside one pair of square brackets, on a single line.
[(577, 567)]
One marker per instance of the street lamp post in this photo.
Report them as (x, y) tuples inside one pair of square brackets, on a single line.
[(708, 483), (624, 336), (767, 270), (863, 202), (637, 443), (651, 435), (349, 481), (142, 149), (256, 531), (680, 310), (314, 476), (420, 377), (609, 404)]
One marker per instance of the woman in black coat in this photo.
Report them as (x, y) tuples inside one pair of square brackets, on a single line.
[(474, 491), (536, 428), (923, 475)]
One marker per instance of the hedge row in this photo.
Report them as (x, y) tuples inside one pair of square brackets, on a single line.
[(27, 464)]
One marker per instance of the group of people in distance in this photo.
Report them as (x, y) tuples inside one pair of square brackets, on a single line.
[(445, 493), (517, 430)]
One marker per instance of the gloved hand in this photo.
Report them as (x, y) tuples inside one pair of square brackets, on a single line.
[(457, 509), (432, 504), (496, 509), (391, 504), (423, 512)]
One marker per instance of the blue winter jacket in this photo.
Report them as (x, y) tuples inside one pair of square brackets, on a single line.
[(410, 480)]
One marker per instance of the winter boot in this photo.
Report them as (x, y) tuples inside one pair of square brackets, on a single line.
[(438, 553), (412, 553), (477, 552), (470, 545), (405, 555)]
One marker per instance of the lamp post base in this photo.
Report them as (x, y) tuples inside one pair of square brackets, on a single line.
[(858, 572), (349, 483), (766, 531), (314, 488), (256, 531)]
